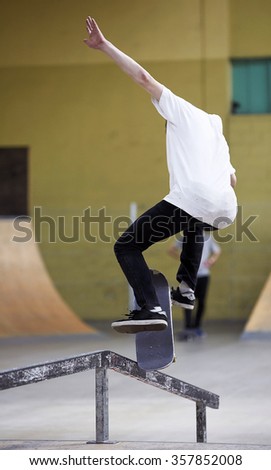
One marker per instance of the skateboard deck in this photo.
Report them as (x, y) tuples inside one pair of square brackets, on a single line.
[(155, 349)]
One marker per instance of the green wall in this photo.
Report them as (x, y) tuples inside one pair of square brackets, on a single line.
[(96, 140)]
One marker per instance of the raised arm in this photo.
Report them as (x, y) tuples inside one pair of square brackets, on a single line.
[(96, 40)]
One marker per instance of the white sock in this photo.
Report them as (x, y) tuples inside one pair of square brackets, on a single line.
[(186, 290), (185, 287)]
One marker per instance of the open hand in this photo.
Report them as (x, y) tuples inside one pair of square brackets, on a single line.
[(95, 37)]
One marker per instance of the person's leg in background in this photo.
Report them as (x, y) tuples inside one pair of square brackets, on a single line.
[(193, 321), (187, 319), (201, 295)]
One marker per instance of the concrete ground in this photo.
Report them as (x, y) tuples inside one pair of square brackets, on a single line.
[(60, 414)]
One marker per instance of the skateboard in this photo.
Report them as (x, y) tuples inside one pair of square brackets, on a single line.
[(155, 349)]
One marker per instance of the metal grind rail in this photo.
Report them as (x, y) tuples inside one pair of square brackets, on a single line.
[(101, 361)]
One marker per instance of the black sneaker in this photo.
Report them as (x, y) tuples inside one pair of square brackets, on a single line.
[(185, 301), (141, 320)]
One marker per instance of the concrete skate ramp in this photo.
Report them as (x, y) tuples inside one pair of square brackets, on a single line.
[(29, 302), (259, 323)]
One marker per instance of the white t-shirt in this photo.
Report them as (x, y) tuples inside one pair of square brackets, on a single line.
[(198, 162)]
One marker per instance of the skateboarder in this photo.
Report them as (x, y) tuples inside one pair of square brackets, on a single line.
[(201, 192)]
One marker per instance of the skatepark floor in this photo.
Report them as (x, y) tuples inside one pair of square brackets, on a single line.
[(60, 413)]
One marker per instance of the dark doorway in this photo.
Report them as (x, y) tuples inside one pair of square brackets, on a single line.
[(13, 181)]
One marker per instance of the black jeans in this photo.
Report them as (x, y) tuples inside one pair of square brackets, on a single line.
[(156, 224)]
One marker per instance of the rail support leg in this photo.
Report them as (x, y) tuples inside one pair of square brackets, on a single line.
[(201, 422), (102, 428)]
